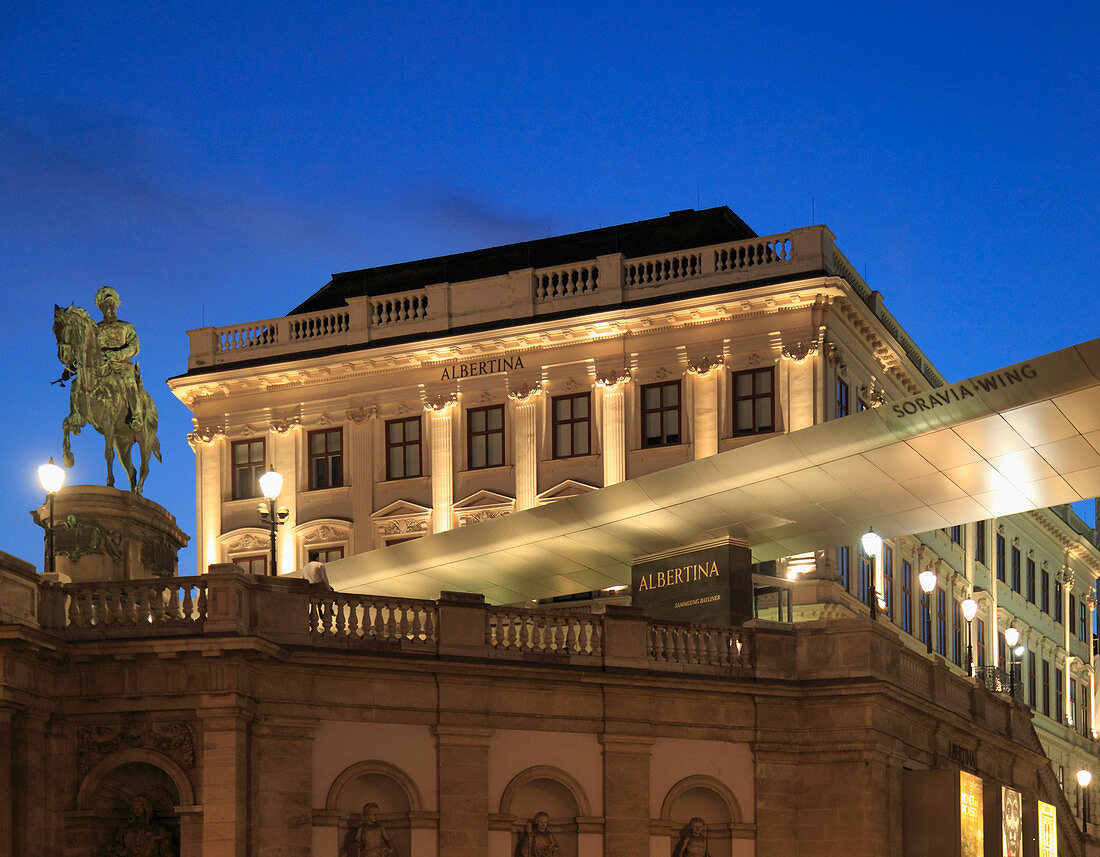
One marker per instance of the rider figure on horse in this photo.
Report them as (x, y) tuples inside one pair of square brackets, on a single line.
[(118, 342)]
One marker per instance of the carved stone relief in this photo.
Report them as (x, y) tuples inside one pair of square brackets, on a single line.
[(174, 739), (74, 538)]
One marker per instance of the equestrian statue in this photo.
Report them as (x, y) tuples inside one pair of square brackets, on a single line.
[(106, 391)]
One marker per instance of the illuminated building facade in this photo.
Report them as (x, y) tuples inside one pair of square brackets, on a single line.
[(427, 396)]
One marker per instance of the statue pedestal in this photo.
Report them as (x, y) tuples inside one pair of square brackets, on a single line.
[(107, 534)]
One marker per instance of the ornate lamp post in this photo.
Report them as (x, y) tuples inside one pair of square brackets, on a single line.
[(271, 483), (1012, 637), (928, 584), (970, 610), (1083, 779), (872, 545), (51, 478)]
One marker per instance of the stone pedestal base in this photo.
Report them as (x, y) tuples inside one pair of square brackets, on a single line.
[(105, 534)]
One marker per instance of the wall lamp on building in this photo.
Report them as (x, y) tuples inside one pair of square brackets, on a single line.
[(970, 610), (928, 583), (51, 477), (1012, 637), (271, 483), (1083, 779), (872, 546)]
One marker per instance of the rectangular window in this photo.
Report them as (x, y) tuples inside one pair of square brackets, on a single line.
[(1000, 557), (1058, 694), (1015, 569), (252, 564), (753, 401), (661, 414), (1030, 580), (326, 459), (842, 409), (1044, 591), (1072, 615), (485, 437), (571, 425), (941, 622), (1058, 605), (1046, 688), (1082, 625), (326, 554), (1072, 698), (248, 465), (1031, 679), (1083, 718), (980, 643), (888, 579), (843, 555), (906, 596), (956, 632), (864, 593), (979, 542), (957, 535), (403, 448), (923, 623)]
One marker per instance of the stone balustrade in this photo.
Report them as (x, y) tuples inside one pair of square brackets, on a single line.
[(606, 281)]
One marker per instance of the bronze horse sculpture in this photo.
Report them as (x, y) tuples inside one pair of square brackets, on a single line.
[(99, 397)]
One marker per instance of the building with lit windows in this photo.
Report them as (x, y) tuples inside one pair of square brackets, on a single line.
[(425, 397)]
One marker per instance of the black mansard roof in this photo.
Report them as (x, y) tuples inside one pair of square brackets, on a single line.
[(678, 231)]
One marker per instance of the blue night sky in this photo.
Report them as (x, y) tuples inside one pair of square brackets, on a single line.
[(217, 162)]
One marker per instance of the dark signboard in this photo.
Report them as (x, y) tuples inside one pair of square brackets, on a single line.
[(709, 584)]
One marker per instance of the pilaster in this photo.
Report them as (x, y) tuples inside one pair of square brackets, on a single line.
[(705, 409), (626, 794), (463, 759), (614, 432), (210, 452), (441, 439), (359, 466), (224, 782), (283, 457), (282, 756), (524, 445)]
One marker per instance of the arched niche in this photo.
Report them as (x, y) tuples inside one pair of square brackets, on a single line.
[(381, 783), (709, 799), (107, 792), (544, 788)]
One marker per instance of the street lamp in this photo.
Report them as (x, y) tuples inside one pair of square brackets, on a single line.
[(1012, 637), (1083, 779), (271, 483), (970, 610), (872, 544), (928, 583), (51, 478)]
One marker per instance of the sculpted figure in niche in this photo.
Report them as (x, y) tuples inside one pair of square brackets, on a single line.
[(142, 835), (693, 840), (537, 840), (371, 839)]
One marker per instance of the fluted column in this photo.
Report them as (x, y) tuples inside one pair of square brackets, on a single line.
[(208, 444), (705, 405), (359, 475), (284, 458), (613, 415), (440, 410), (525, 444)]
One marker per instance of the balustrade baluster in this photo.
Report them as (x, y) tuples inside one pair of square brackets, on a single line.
[(391, 624), (429, 625), (417, 629), (571, 635), (354, 622)]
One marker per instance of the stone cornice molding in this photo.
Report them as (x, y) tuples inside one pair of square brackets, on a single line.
[(440, 403), (800, 352), (286, 425), (521, 393), (610, 380), (206, 435), (361, 415)]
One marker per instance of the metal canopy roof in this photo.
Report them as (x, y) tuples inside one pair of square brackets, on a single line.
[(1020, 438)]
